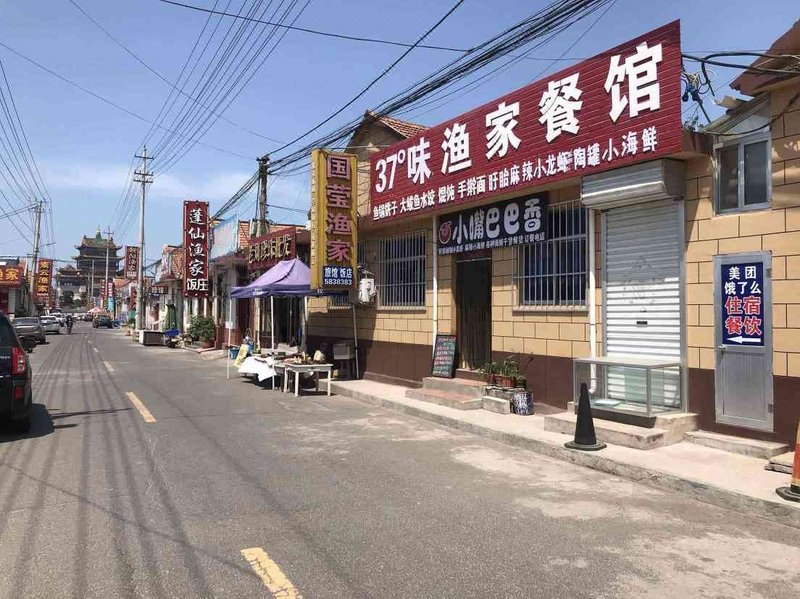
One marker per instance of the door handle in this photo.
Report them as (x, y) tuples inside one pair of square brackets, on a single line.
[(721, 347)]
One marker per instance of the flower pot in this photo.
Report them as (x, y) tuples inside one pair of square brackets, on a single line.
[(490, 378), (505, 381), (206, 344)]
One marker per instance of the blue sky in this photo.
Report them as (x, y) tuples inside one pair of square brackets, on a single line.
[(84, 147)]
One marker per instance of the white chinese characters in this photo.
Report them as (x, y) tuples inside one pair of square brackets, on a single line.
[(502, 122), (559, 103), (641, 72), (456, 149)]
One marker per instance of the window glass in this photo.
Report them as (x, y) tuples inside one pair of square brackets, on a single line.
[(729, 178), (554, 272), (755, 173), (401, 268)]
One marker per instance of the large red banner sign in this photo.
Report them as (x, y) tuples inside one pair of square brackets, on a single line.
[(195, 246), (43, 279), (617, 108), (11, 276)]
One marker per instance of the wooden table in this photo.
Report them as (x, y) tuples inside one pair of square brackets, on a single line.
[(299, 369)]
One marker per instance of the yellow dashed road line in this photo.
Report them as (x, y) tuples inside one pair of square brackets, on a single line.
[(137, 403), (270, 574)]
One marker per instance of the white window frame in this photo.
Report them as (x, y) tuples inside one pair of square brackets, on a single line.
[(556, 236), (386, 265), (740, 143)]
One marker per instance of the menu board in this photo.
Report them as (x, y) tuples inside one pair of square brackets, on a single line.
[(444, 356)]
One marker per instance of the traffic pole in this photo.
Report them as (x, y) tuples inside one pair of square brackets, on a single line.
[(792, 492)]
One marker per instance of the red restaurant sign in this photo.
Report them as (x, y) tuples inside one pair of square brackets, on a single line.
[(43, 279), (195, 246), (131, 261), (266, 251), (10, 276), (615, 109)]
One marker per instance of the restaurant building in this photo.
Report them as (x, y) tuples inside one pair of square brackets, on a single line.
[(576, 218), (14, 290)]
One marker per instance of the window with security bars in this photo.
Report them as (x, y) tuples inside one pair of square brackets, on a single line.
[(554, 272), (400, 270)]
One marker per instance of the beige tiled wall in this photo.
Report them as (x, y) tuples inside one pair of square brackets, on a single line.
[(776, 229)]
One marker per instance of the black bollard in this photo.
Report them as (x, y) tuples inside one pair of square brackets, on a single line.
[(585, 439)]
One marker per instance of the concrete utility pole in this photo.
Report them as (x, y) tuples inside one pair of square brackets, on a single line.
[(35, 258), (263, 213), (144, 177), (108, 248)]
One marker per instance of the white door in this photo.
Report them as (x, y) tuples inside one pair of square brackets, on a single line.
[(642, 298)]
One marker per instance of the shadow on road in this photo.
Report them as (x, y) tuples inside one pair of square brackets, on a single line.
[(41, 425)]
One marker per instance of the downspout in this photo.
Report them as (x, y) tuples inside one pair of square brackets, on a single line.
[(592, 304), (435, 247)]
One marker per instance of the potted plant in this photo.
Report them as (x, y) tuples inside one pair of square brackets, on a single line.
[(521, 382), (204, 329), (508, 373), (489, 371)]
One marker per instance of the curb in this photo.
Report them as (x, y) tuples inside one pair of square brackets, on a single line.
[(737, 502)]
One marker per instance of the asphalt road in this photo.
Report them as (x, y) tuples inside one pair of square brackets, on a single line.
[(331, 497)]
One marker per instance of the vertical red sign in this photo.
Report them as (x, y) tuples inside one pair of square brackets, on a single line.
[(43, 279), (195, 247), (131, 261)]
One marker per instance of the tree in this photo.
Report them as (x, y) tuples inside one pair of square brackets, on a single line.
[(67, 298)]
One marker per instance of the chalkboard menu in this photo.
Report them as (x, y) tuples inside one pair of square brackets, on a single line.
[(522, 403), (444, 356)]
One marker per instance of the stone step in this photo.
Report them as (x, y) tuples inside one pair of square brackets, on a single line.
[(465, 387), (740, 445), (496, 404), (676, 423), (612, 432), (446, 398), (781, 463)]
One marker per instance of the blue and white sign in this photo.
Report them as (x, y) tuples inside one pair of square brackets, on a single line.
[(337, 275), (225, 238), (742, 304)]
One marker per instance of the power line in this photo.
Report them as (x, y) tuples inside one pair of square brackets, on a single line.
[(138, 59), (376, 79), (106, 100), (314, 31)]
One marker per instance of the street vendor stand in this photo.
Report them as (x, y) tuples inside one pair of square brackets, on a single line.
[(288, 278)]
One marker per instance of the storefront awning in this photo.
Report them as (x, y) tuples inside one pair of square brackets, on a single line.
[(286, 278)]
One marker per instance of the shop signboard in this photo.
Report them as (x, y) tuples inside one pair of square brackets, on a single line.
[(511, 222), (267, 250), (444, 356), (195, 247), (43, 279), (742, 304), (334, 239), (11, 276), (224, 238), (612, 110), (158, 290), (110, 295), (131, 261)]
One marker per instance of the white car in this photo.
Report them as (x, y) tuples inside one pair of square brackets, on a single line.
[(50, 324)]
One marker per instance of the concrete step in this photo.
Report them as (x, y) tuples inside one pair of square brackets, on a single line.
[(446, 398), (781, 463), (615, 433), (465, 387), (675, 423), (496, 404), (748, 447)]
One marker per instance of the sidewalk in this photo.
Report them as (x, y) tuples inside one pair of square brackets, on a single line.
[(728, 480)]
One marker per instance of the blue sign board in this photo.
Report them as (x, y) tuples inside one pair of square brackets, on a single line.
[(742, 304), (337, 276)]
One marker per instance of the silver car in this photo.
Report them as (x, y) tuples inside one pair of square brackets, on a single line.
[(50, 324)]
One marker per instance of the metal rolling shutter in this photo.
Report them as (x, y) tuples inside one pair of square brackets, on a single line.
[(642, 295)]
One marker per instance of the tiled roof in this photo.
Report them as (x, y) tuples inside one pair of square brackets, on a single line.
[(97, 241), (404, 128), (751, 82)]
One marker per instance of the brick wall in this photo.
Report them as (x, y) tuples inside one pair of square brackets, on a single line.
[(776, 229)]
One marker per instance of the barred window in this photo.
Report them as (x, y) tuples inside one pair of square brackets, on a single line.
[(554, 272), (401, 270)]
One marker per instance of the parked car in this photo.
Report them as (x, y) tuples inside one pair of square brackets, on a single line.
[(102, 320), (30, 326), (50, 324), (15, 378)]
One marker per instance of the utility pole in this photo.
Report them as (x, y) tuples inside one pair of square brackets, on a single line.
[(36, 231), (105, 281), (263, 226), (144, 177)]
